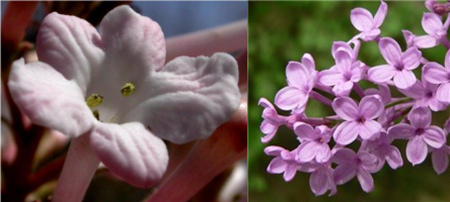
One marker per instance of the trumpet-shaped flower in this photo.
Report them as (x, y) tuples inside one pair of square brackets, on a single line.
[(358, 118), (399, 65), (368, 25), (114, 87), (420, 134)]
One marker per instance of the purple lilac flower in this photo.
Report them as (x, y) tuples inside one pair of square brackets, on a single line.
[(271, 121), (424, 94), (350, 164), (358, 119), (314, 142), (399, 67), (368, 25), (420, 134), (383, 149), (301, 79), (284, 162), (435, 73), (435, 29), (345, 73), (321, 180), (439, 158)]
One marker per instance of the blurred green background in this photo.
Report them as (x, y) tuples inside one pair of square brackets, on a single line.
[(283, 31)]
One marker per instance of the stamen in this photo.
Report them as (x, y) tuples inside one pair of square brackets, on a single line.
[(94, 100), (127, 89), (96, 114)]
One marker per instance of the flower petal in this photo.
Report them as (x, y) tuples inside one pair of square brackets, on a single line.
[(346, 108), (443, 93), (365, 180), (420, 117), (290, 172), (368, 129), (344, 173), (435, 73), (70, 45), (394, 157), (188, 99), (431, 23), (380, 15), (269, 129), (416, 150), (273, 150), (289, 98), (131, 152), (381, 74), (318, 181), (276, 166), (411, 58), (305, 131), (346, 132), (362, 19), (330, 77), (297, 75), (49, 99), (434, 136), (390, 50), (425, 41), (401, 131), (404, 79), (371, 107), (440, 160), (307, 151), (308, 62), (135, 38)]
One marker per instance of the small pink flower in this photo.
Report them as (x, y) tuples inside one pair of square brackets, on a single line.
[(433, 26), (368, 25)]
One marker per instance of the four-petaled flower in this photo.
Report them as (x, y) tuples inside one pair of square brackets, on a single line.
[(284, 162), (433, 26), (271, 121), (368, 25), (115, 88), (437, 74), (399, 67), (314, 142), (420, 134), (358, 119)]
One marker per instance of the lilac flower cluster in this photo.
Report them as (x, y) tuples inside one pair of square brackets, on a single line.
[(373, 118)]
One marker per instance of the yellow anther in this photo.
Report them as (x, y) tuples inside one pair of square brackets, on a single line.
[(127, 89), (96, 114), (94, 100)]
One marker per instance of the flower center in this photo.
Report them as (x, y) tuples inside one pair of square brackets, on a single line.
[(362, 120), (127, 89), (420, 131), (94, 100)]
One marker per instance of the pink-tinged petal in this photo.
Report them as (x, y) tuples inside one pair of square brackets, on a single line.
[(70, 45), (49, 99), (368, 129), (371, 107), (416, 150), (394, 157), (365, 180), (188, 99), (380, 15), (342, 46), (263, 102), (343, 89), (323, 153), (330, 77), (409, 38), (420, 117), (436, 105), (368, 161), (411, 58), (308, 62), (346, 132), (430, 4), (434, 136), (276, 166), (390, 50), (273, 150), (131, 152), (443, 93), (297, 75), (439, 159), (346, 108), (370, 35), (307, 151), (305, 131), (289, 98), (435, 73), (343, 60), (404, 79), (344, 156), (431, 23), (344, 173), (425, 41), (135, 38), (289, 173), (318, 181), (269, 129), (362, 19), (416, 91), (401, 131), (381, 74)]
